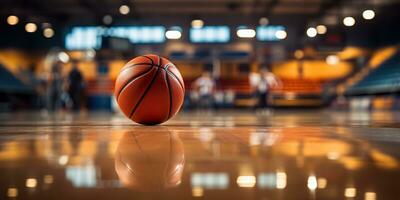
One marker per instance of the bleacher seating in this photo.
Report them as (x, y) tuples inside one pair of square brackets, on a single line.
[(384, 79), (299, 86), (297, 92), (294, 92), (13, 92), (10, 84)]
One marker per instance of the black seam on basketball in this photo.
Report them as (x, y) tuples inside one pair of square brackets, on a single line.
[(144, 93), (177, 79), (133, 79), (134, 65), (151, 60), (170, 95), (169, 89), (152, 63)]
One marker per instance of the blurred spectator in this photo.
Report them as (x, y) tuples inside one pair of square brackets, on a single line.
[(75, 86), (262, 83), (205, 86), (54, 88), (28, 76)]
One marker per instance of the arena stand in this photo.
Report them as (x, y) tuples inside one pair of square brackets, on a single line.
[(376, 86)]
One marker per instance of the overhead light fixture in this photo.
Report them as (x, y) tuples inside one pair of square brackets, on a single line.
[(281, 34), (368, 14), (63, 57), (311, 32), (48, 32), (12, 20), (321, 29), (197, 23), (246, 181), (31, 183), (174, 33), (246, 33), (349, 21), (124, 9), (332, 59), (30, 27), (107, 19), (263, 21), (12, 192)]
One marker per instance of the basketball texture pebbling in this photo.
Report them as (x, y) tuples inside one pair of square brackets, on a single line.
[(149, 89)]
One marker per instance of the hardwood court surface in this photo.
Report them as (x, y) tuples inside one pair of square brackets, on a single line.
[(219, 155)]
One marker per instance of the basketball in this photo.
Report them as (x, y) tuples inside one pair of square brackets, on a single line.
[(149, 89)]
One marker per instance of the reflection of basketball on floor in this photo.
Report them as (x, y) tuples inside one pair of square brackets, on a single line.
[(149, 160), (149, 89)]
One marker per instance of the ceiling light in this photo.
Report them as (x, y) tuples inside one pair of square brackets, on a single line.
[(263, 21), (321, 29), (311, 32), (246, 181), (63, 57), (12, 20), (12, 192), (107, 19), (281, 34), (124, 9), (31, 182), (173, 34), (48, 32), (197, 23), (246, 33), (368, 14), (30, 27), (349, 21)]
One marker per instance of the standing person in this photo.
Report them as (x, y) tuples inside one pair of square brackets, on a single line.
[(54, 88), (262, 82), (75, 86), (205, 86)]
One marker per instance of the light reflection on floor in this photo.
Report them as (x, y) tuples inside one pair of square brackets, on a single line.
[(224, 155)]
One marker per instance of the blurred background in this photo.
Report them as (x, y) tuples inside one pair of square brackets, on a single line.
[(303, 59), (66, 54)]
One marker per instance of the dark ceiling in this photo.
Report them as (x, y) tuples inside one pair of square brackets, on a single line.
[(66, 9)]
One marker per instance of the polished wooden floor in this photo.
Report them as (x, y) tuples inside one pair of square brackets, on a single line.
[(300, 155)]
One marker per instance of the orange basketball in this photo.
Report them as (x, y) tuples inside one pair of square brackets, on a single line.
[(149, 89)]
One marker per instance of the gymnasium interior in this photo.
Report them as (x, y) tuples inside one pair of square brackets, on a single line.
[(283, 99)]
